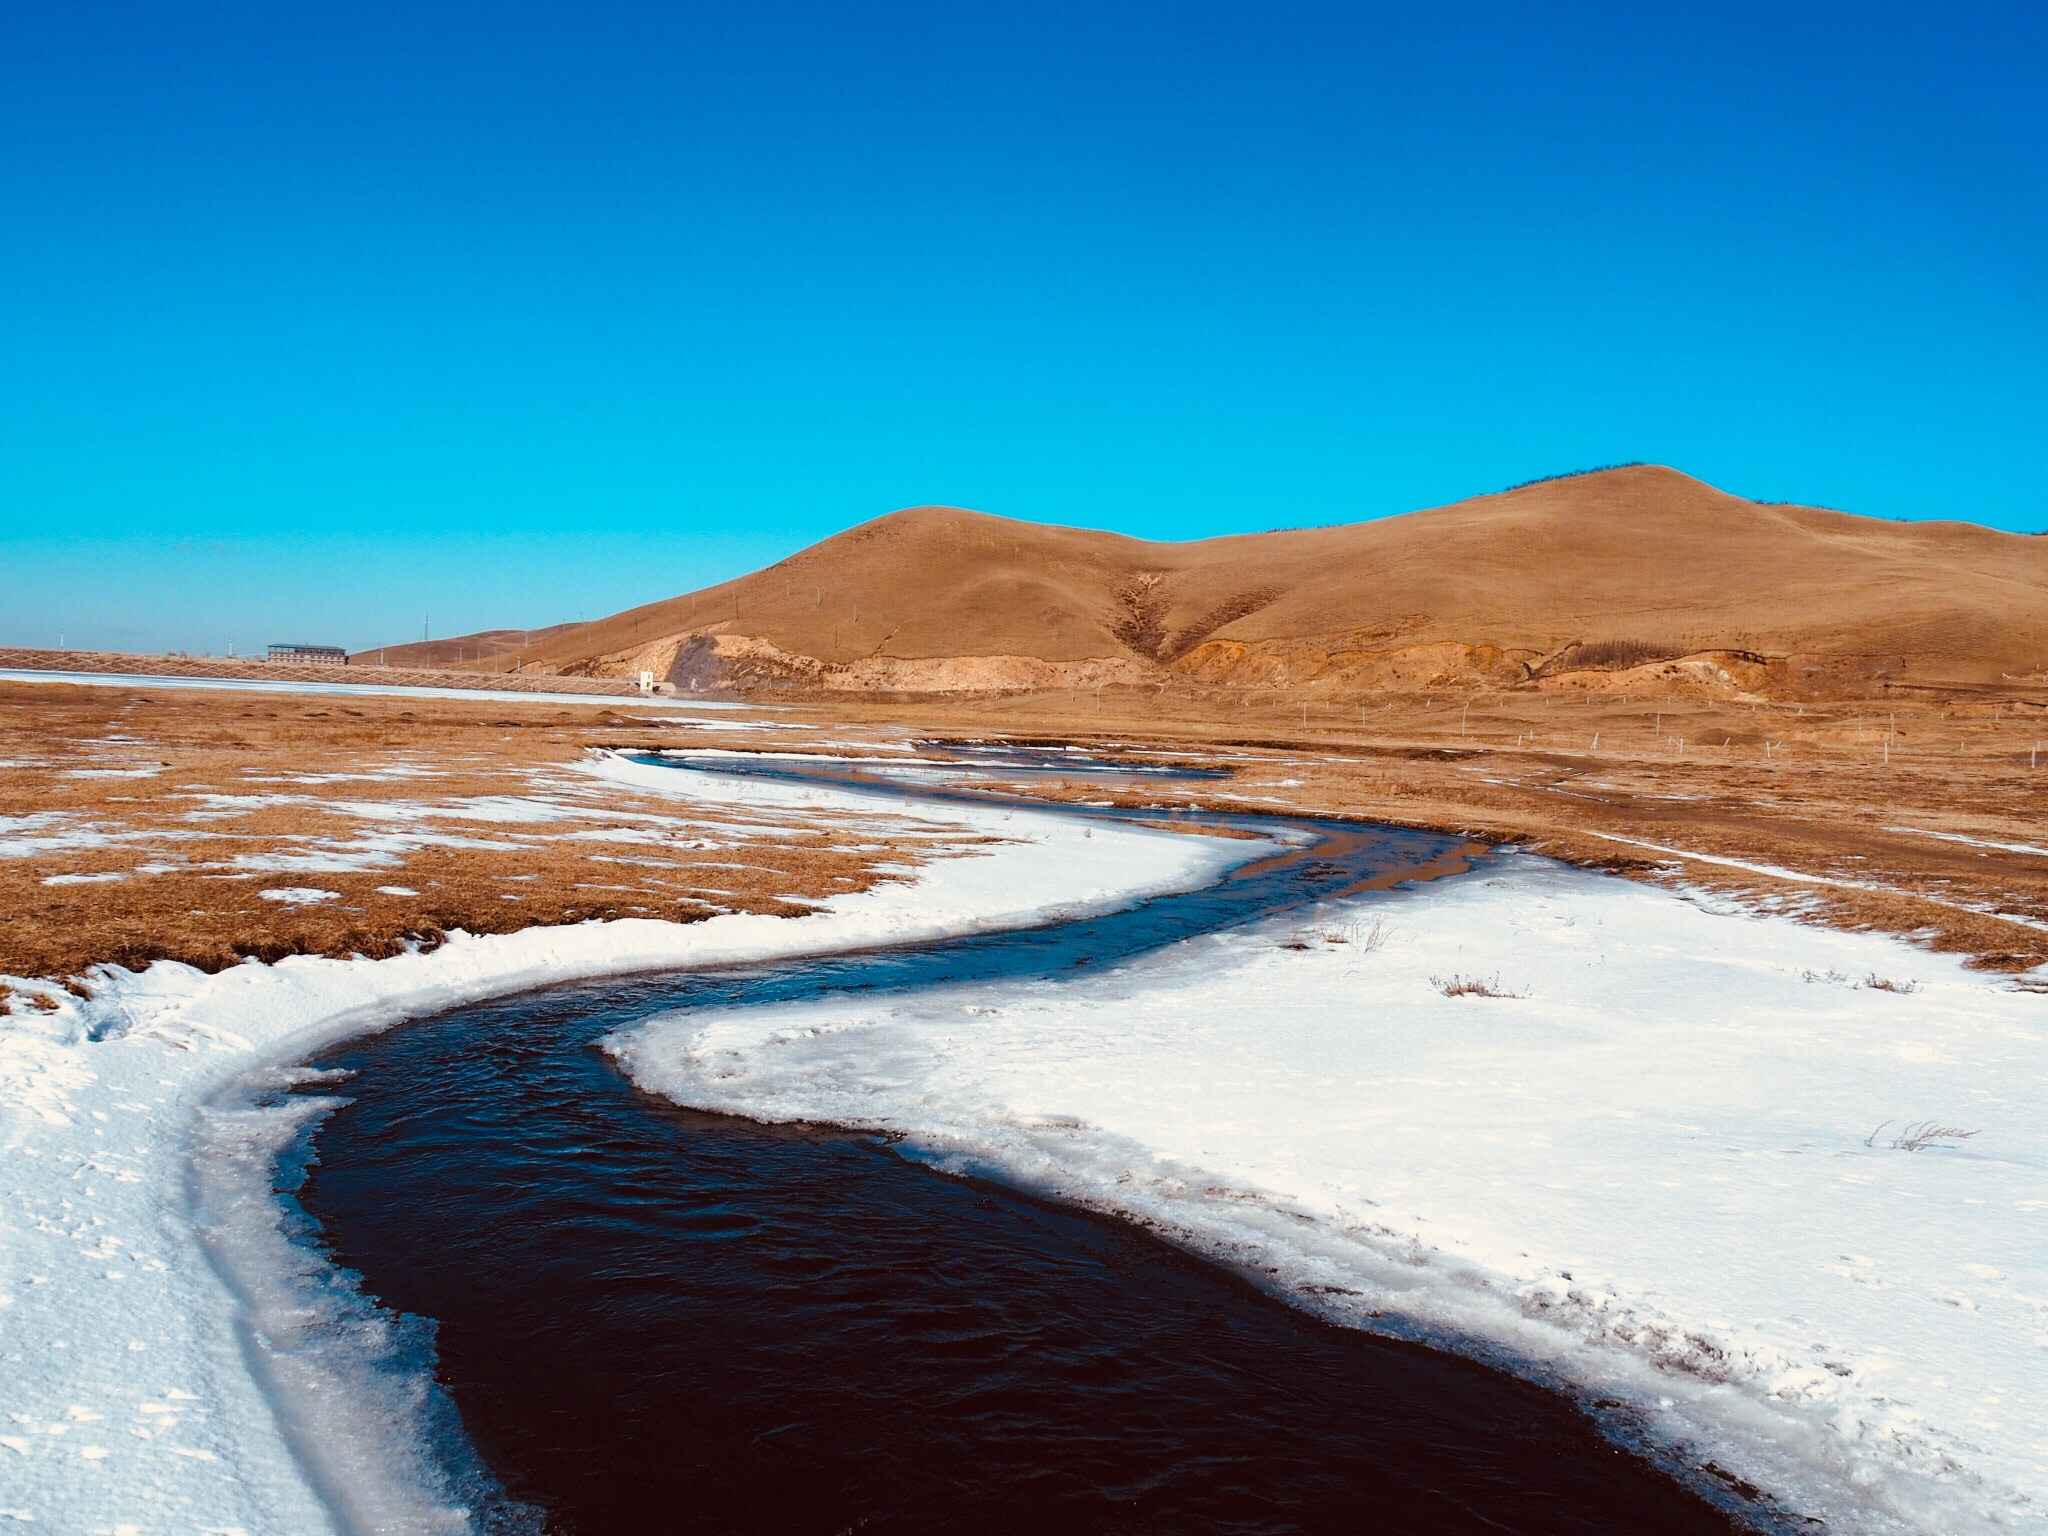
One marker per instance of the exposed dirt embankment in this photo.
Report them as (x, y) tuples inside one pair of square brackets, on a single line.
[(1345, 661), (723, 661), (733, 663)]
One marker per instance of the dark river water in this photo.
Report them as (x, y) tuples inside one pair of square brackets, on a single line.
[(654, 1320)]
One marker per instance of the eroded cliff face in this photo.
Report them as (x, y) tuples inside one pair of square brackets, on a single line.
[(1344, 662), (986, 674), (720, 663), (716, 662)]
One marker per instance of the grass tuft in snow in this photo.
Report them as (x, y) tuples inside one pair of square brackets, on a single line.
[(1919, 1135), (1362, 937), (1871, 983), (1458, 984)]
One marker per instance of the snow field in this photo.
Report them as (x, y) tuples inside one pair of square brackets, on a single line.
[(1665, 1178), (170, 1362)]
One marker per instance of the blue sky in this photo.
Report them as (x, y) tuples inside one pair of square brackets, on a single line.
[(319, 318)]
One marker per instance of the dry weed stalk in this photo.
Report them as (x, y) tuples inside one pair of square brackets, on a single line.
[(1919, 1135), (1357, 934), (1460, 985)]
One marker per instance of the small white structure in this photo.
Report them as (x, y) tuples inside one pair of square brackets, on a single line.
[(319, 655)]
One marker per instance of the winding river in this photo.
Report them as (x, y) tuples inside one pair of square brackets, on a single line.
[(656, 1320)]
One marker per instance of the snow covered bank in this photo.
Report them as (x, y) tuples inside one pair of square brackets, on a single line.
[(1676, 1175), (147, 1391)]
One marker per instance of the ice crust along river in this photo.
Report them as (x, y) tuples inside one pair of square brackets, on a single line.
[(1664, 1177), (1654, 1178), (664, 1323), (132, 1378)]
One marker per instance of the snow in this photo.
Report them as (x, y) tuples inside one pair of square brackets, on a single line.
[(399, 829), (713, 754), (46, 832), (1973, 842), (1672, 1176), (346, 690), (1779, 872), (1775, 871), (166, 1368), (1668, 1178)]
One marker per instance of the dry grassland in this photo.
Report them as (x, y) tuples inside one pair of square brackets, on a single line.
[(211, 827), (429, 674), (136, 824), (1881, 816)]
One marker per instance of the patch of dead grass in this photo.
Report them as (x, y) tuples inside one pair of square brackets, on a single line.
[(1814, 787), (177, 794)]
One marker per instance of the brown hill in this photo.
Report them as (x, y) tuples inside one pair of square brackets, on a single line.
[(1638, 578), (489, 650)]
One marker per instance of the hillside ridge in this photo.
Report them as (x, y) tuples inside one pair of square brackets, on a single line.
[(1591, 578)]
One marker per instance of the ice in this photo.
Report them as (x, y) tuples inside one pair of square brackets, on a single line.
[(1658, 1180), (111, 1301), (352, 1384)]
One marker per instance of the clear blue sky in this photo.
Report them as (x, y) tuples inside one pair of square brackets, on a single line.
[(319, 316)]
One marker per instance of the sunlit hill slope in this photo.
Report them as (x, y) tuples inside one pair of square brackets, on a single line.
[(1638, 578)]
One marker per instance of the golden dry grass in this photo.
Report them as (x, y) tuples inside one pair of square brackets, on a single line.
[(1850, 833), (162, 817), (433, 667), (1847, 803)]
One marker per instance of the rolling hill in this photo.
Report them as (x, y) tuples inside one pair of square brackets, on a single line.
[(491, 649), (1638, 577)]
